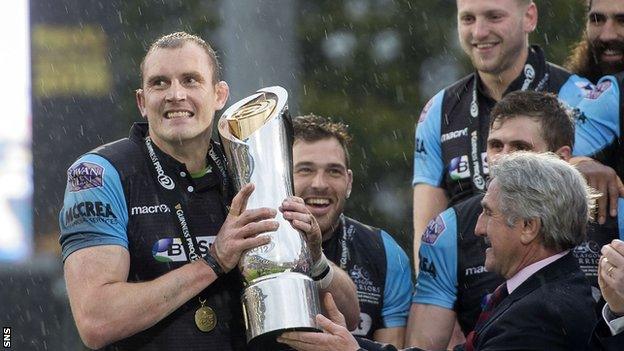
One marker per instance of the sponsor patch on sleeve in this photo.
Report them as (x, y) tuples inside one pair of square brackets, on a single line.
[(598, 90), (434, 229), (85, 175), (423, 113)]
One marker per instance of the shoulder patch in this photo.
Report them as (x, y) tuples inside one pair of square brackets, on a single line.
[(585, 86), (423, 114), (434, 229), (85, 175), (599, 89)]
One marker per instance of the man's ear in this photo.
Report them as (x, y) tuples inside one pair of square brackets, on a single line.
[(530, 18), (222, 92), (530, 230), (565, 153), (140, 101)]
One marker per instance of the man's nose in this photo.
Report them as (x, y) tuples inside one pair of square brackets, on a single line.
[(319, 180), (480, 226), (608, 31), (480, 29), (176, 92)]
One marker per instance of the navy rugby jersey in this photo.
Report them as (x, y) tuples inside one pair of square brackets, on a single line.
[(451, 134), (380, 270), (112, 198)]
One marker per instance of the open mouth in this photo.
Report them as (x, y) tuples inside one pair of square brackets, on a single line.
[(484, 46), (178, 114), (612, 55), (317, 202)]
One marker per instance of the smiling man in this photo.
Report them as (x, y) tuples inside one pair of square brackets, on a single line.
[(599, 53), (450, 162), (149, 246), (601, 50), (534, 213), (453, 278), (379, 268)]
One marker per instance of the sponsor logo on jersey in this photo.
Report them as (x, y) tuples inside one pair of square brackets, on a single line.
[(434, 229), (164, 180), (585, 86), (484, 162), (92, 212), (420, 147), (363, 282), (588, 254), (364, 326), (141, 210), (477, 178), (458, 168), (474, 270), (579, 116), (428, 267), (598, 90), (85, 175), (425, 110), (454, 135), (171, 249)]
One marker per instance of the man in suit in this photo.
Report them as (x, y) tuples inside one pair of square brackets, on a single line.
[(453, 278), (534, 212)]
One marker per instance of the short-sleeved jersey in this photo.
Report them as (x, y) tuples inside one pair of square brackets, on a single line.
[(452, 260), (380, 270), (451, 134), (611, 151), (112, 198)]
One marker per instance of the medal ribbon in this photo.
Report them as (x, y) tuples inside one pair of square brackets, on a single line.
[(177, 200)]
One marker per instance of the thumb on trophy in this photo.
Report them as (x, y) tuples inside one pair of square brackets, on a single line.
[(331, 311)]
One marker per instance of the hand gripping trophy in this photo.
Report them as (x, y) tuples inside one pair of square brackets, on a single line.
[(256, 134)]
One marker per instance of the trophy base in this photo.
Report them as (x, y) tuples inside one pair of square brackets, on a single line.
[(279, 302), (268, 341)]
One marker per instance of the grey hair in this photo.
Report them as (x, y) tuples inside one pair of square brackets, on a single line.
[(543, 186)]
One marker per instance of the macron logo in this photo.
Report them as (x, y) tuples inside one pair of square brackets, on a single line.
[(140, 210)]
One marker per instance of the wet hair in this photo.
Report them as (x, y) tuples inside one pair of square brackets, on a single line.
[(544, 187), (556, 122), (311, 128), (177, 40)]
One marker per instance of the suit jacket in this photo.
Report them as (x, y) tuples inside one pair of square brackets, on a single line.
[(552, 310), (602, 340)]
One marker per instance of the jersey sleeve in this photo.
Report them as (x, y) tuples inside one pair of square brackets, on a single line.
[(428, 164), (398, 286), (94, 208), (597, 116), (437, 281)]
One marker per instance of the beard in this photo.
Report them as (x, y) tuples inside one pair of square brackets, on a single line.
[(598, 47)]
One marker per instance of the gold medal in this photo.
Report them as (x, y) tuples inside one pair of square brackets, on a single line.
[(205, 317)]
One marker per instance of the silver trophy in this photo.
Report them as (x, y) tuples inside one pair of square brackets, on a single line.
[(256, 134)]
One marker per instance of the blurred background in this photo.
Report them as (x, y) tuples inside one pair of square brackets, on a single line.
[(73, 68)]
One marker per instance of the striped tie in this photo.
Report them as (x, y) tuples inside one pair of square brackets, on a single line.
[(493, 300)]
